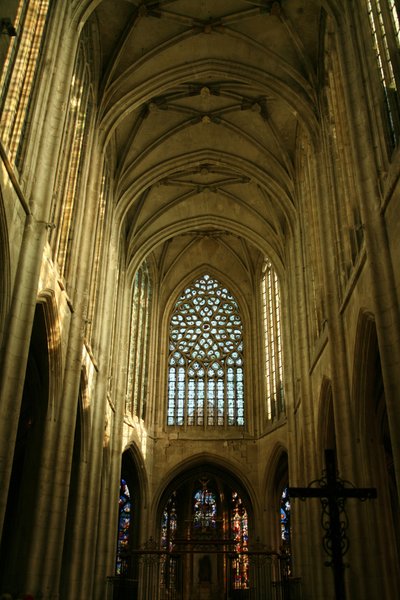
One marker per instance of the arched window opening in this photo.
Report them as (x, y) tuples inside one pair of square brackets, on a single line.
[(271, 305), (19, 71), (285, 517), (385, 30), (205, 367), (169, 525), (67, 210), (98, 251), (124, 525), (286, 547), (139, 344), (240, 534)]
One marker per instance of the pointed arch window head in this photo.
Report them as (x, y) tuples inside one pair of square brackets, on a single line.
[(205, 367)]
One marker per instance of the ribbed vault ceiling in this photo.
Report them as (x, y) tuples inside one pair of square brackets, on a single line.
[(201, 102)]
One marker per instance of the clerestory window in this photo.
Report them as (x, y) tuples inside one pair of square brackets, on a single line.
[(205, 367), (271, 306), (17, 79), (385, 29)]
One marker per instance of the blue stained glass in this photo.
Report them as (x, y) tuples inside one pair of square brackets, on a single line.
[(205, 327), (285, 516), (125, 516)]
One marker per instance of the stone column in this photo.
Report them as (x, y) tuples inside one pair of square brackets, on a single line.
[(19, 326)]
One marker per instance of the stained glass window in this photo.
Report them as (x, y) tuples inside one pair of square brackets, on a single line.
[(125, 516), (384, 23), (205, 509), (240, 534), (169, 524), (286, 550), (271, 304), (205, 369), (19, 71), (285, 516), (139, 344)]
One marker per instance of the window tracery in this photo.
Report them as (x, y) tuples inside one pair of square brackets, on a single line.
[(19, 70), (205, 368)]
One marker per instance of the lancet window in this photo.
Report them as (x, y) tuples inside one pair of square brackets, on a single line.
[(102, 206), (286, 548), (271, 305), (205, 367), (19, 71), (240, 535), (124, 524), (67, 212), (169, 525), (346, 214), (385, 29), (139, 344)]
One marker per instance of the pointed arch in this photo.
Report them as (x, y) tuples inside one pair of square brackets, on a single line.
[(226, 512), (25, 481), (132, 492), (197, 464), (205, 366), (375, 439), (276, 481)]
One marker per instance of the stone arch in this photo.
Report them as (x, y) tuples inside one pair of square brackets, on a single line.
[(277, 478), (374, 437), (26, 475), (214, 464), (132, 500), (135, 457), (46, 299), (205, 482)]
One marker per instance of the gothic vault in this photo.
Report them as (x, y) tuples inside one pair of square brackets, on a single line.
[(199, 280)]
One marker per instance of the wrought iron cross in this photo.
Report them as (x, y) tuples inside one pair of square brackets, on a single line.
[(332, 492)]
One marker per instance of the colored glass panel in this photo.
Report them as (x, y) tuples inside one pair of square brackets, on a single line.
[(124, 524)]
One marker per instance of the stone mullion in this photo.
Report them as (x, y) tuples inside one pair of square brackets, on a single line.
[(22, 311)]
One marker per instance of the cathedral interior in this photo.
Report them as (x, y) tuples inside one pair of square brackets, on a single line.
[(199, 299)]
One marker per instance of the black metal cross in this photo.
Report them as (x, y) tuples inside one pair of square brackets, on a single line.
[(333, 494)]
